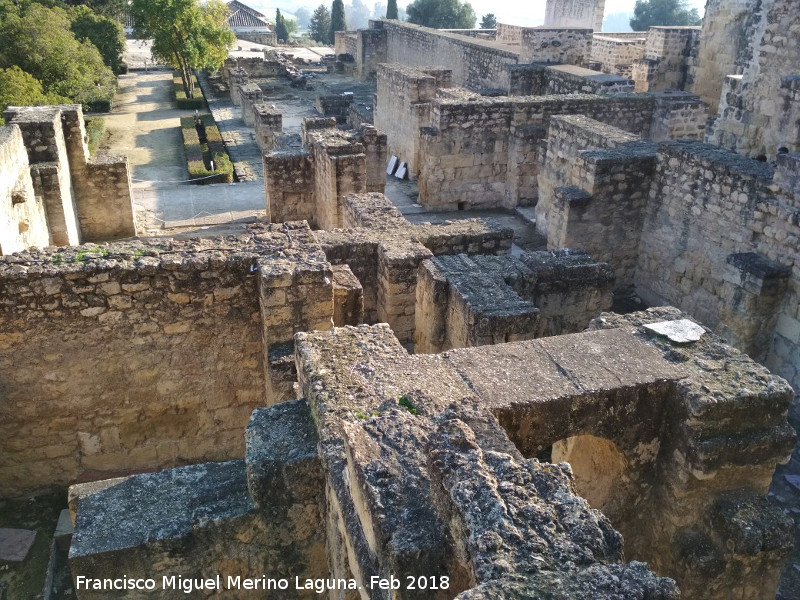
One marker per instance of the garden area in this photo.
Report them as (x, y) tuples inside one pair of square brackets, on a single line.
[(206, 157)]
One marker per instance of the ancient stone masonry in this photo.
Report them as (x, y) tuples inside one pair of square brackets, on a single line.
[(250, 95), (427, 467), (575, 13), (759, 108), (311, 183), (268, 123), (86, 199), (263, 514), (471, 301), (384, 252), (615, 53), (723, 48), (147, 354), (667, 61), (481, 152), (23, 221)]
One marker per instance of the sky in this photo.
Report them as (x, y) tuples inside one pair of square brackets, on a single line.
[(515, 12)]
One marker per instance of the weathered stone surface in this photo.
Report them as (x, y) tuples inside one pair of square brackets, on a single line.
[(680, 331), (15, 544)]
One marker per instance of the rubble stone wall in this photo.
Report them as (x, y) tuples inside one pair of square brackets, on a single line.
[(133, 356), (616, 54), (575, 13), (475, 63), (759, 111), (721, 243), (668, 59), (289, 186), (723, 47), (23, 221)]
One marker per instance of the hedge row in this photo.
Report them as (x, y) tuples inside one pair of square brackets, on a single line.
[(181, 99), (95, 128), (197, 153)]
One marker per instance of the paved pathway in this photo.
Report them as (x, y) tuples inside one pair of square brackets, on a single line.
[(240, 139), (145, 126)]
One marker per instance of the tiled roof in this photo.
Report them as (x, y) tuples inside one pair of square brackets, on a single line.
[(244, 16)]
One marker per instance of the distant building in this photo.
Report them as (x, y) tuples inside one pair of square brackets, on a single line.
[(249, 24)]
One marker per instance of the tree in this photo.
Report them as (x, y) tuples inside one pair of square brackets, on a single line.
[(39, 41), (291, 26), (186, 34), (113, 9), (647, 13), (442, 14), (105, 33), (280, 27), (18, 88), (338, 22), (489, 21), (320, 26), (391, 9)]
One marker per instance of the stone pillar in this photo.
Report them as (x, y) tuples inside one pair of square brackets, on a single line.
[(238, 77)]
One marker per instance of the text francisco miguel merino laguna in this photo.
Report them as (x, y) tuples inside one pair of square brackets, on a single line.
[(191, 584)]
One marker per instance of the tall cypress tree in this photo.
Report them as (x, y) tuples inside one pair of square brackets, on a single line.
[(337, 19), (391, 9), (280, 27)]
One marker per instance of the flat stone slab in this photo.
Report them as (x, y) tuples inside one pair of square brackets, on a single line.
[(15, 544), (681, 331)]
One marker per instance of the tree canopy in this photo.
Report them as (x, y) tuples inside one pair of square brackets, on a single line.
[(442, 14), (186, 34), (319, 27), (18, 88), (280, 27), (489, 21), (39, 41), (391, 9), (105, 33), (338, 22), (648, 13)]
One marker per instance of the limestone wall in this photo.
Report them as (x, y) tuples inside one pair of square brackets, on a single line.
[(569, 46), (250, 94), (268, 123), (23, 221), (87, 199), (404, 97), (141, 355), (759, 111), (615, 54), (482, 152), (475, 63), (668, 59), (721, 243), (574, 13), (289, 186), (723, 47)]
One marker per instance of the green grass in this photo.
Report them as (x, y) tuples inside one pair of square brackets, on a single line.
[(181, 99), (408, 405), (199, 154), (95, 128)]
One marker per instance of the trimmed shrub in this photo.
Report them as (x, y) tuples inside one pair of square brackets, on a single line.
[(99, 105), (199, 154), (95, 128), (181, 99)]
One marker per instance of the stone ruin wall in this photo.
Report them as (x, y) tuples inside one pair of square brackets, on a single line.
[(723, 48), (85, 198), (668, 59), (23, 221), (479, 416), (475, 63), (707, 210), (144, 355), (575, 13), (759, 110), (616, 54)]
